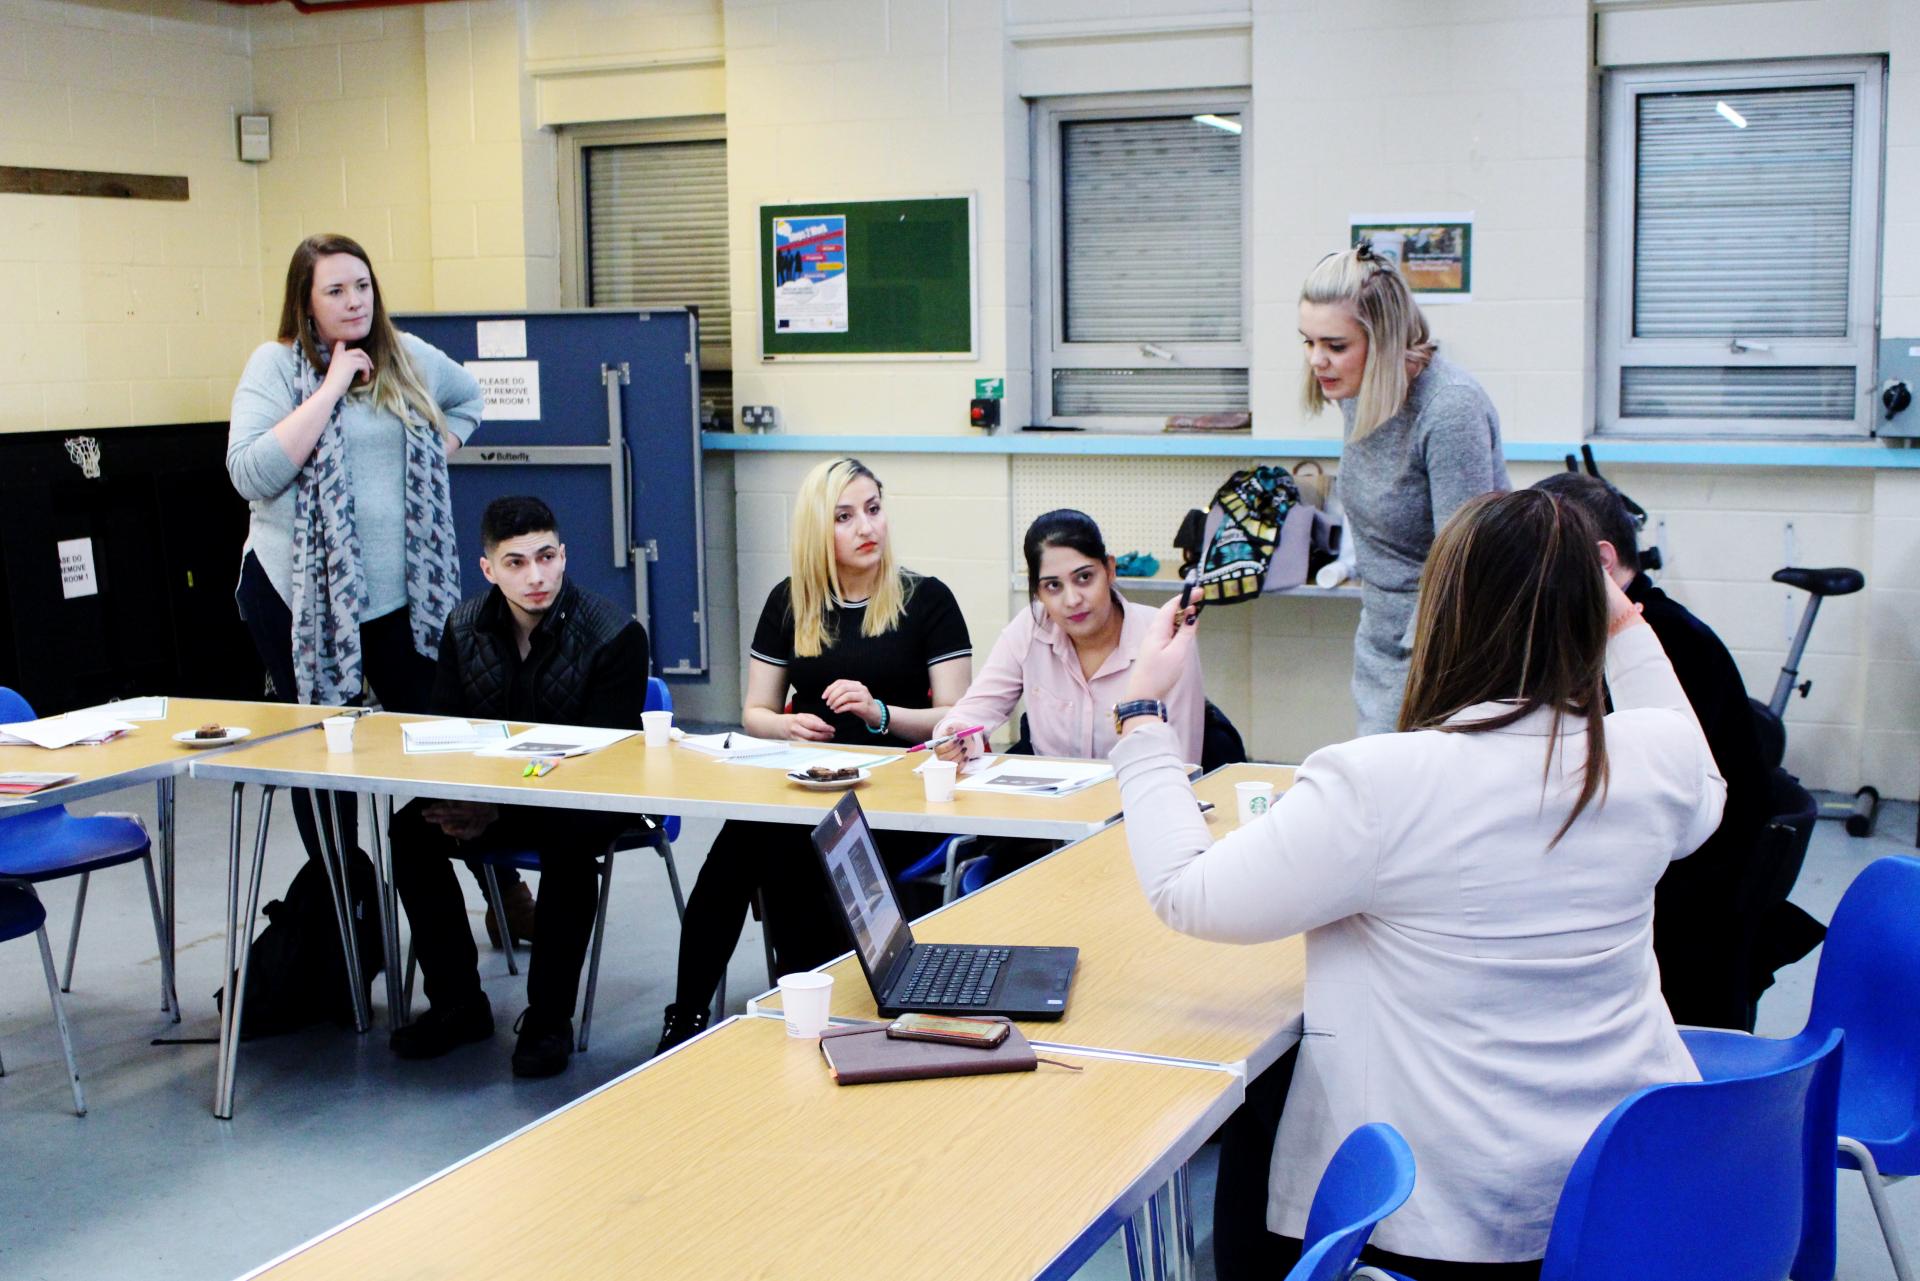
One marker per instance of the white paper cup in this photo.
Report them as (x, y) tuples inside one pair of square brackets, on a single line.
[(940, 777), (1390, 244), (805, 999), (339, 732), (1252, 800), (658, 727)]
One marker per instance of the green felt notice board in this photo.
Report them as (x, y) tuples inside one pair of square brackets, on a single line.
[(909, 284)]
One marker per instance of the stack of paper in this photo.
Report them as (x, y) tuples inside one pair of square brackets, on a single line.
[(558, 740), (730, 747), (21, 783), (1038, 776), (423, 737), (152, 708), (63, 731)]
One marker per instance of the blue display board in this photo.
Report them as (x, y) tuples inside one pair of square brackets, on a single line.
[(596, 412)]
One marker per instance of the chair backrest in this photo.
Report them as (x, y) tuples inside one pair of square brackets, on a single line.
[(13, 708), (659, 697), (1708, 1181), (1369, 1177), (1782, 847), (1869, 985), (1220, 742)]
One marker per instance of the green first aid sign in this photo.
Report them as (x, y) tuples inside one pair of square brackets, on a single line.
[(989, 388)]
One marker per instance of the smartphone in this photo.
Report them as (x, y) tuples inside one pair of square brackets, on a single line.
[(1186, 595), (981, 1033)]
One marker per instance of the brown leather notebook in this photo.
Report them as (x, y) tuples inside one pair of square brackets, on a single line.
[(860, 1055)]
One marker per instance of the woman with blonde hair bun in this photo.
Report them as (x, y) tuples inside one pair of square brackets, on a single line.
[(872, 654), (1421, 438)]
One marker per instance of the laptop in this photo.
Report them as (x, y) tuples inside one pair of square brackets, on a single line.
[(943, 978)]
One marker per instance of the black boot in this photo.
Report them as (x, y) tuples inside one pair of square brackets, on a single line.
[(443, 1028), (544, 1046), (682, 1024)]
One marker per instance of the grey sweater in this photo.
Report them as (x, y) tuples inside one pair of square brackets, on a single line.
[(1400, 484), (376, 463)]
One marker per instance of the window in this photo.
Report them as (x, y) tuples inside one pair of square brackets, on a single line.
[(647, 216), (1739, 253), (1140, 260)]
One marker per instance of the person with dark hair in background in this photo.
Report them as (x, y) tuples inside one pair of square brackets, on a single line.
[(1068, 653), (534, 648), (1704, 948), (1476, 890), (340, 434)]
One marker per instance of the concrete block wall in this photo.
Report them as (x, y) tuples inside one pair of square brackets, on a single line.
[(348, 96), (115, 312)]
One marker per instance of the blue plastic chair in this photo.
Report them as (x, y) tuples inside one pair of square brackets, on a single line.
[(21, 914), (1369, 1177), (50, 843), (655, 833), (1868, 985), (1724, 1180), (939, 865)]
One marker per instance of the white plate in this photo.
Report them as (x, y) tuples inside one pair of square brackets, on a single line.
[(233, 735), (799, 779)]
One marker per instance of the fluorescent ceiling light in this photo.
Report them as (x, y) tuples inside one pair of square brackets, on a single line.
[(1220, 122), (1734, 118)]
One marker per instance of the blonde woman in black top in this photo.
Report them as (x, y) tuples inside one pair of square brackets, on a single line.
[(870, 653)]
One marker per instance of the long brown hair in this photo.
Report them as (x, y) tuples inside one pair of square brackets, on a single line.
[(396, 385), (1513, 608)]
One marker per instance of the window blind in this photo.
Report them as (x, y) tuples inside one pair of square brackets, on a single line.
[(1149, 392), (657, 230), (1743, 232), (1151, 230), (1669, 391)]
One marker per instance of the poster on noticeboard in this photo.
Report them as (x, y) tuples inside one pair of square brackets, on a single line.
[(1435, 251), (810, 274)]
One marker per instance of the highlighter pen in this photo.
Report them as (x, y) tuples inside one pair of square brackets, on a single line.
[(540, 767), (944, 739)]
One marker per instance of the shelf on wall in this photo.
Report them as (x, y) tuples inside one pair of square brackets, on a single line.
[(1868, 455)]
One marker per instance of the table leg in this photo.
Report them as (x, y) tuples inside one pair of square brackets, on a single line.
[(226, 972), (389, 918), (1181, 1198), (335, 857), (240, 933), (164, 795), (1157, 1236)]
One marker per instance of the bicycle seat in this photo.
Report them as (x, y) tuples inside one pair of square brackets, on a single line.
[(1822, 582)]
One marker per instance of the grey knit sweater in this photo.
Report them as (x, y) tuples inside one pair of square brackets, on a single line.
[(376, 464), (1400, 483)]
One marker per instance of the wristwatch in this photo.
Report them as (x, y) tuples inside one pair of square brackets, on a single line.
[(1124, 712)]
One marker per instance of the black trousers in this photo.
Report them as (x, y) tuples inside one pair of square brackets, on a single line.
[(401, 674), (1243, 1248), (803, 924), (567, 843)]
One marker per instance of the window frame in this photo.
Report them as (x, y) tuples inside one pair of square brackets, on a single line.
[(1051, 350), (1619, 348), (575, 142)]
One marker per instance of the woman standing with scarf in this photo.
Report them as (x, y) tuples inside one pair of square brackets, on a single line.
[(339, 440)]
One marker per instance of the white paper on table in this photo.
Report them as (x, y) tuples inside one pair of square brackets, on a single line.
[(558, 740), (731, 746), (792, 758), (972, 765), (427, 737), (1038, 776), (153, 708), (64, 731)]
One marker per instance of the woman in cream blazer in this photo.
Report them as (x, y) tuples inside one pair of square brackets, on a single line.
[(1476, 891)]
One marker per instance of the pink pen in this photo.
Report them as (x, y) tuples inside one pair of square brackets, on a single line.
[(944, 739)]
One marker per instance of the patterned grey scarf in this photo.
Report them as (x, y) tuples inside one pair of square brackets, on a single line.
[(329, 582)]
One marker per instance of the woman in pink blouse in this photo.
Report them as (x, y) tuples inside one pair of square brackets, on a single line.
[(1069, 654)]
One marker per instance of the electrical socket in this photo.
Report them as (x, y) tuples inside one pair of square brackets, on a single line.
[(760, 417)]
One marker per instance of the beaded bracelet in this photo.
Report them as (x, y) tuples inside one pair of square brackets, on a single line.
[(886, 718)]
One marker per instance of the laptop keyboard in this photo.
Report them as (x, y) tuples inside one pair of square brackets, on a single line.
[(951, 975)]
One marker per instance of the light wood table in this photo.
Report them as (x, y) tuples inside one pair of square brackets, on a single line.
[(1140, 988), (631, 777), (148, 754), (737, 1156), (628, 777)]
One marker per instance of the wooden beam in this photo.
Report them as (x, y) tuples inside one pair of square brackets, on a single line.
[(86, 182)]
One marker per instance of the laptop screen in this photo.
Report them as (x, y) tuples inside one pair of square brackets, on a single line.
[(861, 887)]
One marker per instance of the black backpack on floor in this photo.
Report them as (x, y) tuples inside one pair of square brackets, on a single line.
[(296, 975)]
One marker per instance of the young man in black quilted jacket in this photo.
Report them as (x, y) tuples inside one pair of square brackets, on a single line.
[(534, 648)]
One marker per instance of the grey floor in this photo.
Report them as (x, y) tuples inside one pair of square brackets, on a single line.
[(149, 1185)]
